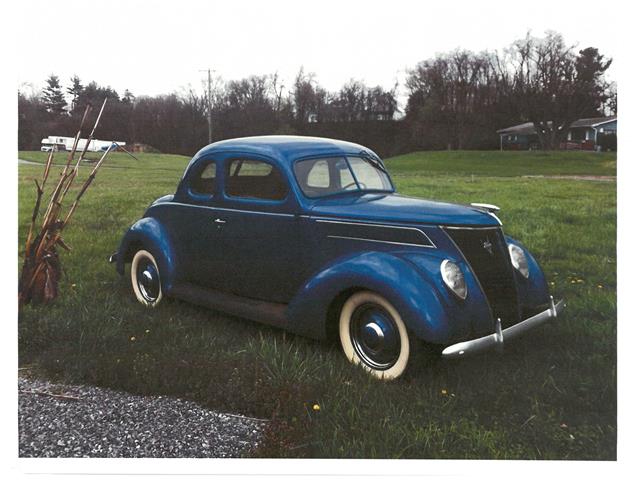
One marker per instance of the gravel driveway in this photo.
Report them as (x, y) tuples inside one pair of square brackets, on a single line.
[(84, 421)]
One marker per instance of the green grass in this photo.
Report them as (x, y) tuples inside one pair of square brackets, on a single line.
[(144, 161), (551, 395), (503, 164)]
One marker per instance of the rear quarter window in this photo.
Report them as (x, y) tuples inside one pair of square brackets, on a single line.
[(254, 179)]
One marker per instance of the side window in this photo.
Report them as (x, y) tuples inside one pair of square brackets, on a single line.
[(254, 179), (318, 176), (204, 183)]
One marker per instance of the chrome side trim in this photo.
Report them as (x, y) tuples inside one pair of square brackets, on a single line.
[(493, 227), (486, 206), (381, 241), (496, 217), (496, 340), (378, 225), (223, 209)]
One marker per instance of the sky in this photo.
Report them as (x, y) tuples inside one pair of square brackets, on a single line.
[(162, 47)]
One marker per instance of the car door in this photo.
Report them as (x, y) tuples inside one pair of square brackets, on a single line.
[(260, 236), (195, 227)]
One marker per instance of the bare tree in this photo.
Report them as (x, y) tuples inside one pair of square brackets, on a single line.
[(553, 86)]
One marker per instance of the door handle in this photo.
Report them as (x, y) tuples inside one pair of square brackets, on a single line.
[(220, 221)]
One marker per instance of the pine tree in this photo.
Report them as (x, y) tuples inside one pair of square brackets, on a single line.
[(75, 90), (128, 97), (52, 96)]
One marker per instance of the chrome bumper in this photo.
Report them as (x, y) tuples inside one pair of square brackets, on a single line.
[(496, 340)]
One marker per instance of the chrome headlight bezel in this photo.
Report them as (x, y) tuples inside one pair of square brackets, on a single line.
[(453, 278), (519, 260)]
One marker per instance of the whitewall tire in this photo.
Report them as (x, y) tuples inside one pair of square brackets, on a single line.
[(145, 279), (374, 336)]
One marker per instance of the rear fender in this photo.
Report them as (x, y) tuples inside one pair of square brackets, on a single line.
[(149, 234)]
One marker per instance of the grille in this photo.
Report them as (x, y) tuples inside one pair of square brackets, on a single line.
[(486, 252)]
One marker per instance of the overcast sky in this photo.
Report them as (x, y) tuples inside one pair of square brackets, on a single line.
[(160, 47)]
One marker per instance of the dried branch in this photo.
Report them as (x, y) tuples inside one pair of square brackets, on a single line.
[(49, 394), (41, 270), (76, 140)]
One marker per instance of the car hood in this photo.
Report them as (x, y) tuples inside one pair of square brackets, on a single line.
[(400, 209)]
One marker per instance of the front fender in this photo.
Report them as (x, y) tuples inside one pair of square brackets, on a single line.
[(411, 282), (533, 292), (149, 234)]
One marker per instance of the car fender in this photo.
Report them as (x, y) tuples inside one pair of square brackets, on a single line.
[(148, 233), (533, 291), (416, 291)]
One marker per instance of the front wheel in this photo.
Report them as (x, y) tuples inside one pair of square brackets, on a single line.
[(145, 279), (374, 336)]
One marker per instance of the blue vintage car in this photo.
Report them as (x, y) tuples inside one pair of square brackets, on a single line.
[(309, 234)]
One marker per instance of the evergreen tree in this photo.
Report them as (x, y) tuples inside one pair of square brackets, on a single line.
[(52, 96), (75, 90), (128, 97)]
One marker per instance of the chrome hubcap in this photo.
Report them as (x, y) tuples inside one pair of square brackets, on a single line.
[(148, 280), (374, 336)]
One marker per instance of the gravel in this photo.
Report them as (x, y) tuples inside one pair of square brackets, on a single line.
[(85, 421)]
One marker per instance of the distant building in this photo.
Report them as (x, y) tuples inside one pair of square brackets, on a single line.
[(142, 148), (583, 134), (62, 144)]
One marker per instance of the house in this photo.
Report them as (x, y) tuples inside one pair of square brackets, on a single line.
[(583, 134)]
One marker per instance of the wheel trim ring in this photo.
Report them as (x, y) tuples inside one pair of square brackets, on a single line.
[(348, 308), (140, 258), (364, 318), (148, 279)]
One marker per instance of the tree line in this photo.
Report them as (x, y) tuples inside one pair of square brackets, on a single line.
[(456, 100)]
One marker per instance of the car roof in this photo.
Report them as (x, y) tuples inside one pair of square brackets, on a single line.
[(284, 148)]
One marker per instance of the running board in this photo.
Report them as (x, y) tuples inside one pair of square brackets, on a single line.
[(257, 310)]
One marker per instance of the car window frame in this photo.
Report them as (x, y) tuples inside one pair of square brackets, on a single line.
[(343, 192), (226, 166), (194, 175)]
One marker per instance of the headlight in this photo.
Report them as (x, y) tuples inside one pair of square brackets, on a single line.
[(519, 260), (453, 278)]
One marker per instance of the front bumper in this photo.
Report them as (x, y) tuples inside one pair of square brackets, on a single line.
[(496, 340)]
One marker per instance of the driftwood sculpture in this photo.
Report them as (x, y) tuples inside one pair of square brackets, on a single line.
[(41, 270)]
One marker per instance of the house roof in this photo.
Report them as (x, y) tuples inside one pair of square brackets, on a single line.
[(592, 122), (284, 148), (528, 128)]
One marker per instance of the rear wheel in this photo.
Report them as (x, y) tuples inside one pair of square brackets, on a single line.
[(374, 336), (145, 279)]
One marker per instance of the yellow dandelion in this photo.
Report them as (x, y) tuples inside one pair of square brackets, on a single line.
[(600, 286), (573, 281), (443, 391), (580, 280), (316, 407)]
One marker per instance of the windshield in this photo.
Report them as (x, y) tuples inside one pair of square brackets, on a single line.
[(319, 177)]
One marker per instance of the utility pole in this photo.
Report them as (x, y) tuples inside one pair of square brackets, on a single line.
[(209, 106)]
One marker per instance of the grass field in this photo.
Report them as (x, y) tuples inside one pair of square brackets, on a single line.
[(551, 395)]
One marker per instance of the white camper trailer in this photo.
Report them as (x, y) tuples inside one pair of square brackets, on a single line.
[(56, 144)]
